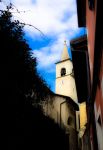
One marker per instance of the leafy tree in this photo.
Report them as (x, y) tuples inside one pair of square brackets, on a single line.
[(27, 127), (19, 75), (19, 68)]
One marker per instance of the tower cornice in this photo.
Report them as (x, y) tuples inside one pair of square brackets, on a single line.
[(71, 74), (63, 61)]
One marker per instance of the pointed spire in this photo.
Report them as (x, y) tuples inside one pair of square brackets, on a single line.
[(65, 54)]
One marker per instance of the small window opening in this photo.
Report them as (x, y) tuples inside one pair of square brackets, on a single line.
[(63, 72), (69, 121), (99, 120), (91, 4)]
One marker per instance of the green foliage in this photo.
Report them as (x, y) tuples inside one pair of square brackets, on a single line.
[(19, 68), (27, 127)]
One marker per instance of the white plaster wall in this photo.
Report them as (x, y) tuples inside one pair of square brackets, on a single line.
[(54, 111), (66, 86)]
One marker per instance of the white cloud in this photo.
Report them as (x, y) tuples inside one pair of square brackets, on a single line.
[(48, 56), (55, 18), (46, 15)]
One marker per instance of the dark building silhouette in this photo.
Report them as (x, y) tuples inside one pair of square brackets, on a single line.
[(90, 15)]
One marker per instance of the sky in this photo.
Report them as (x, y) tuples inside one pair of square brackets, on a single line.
[(57, 20)]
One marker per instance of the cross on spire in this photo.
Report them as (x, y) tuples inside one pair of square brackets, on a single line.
[(65, 54)]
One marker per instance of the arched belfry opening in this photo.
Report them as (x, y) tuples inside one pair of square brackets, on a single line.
[(63, 71)]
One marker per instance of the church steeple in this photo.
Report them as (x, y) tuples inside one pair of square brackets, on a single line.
[(65, 83), (65, 54)]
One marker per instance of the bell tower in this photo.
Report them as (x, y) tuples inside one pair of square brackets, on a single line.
[(65, 82)]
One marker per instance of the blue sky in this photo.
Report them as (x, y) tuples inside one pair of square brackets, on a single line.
[(57, 19)]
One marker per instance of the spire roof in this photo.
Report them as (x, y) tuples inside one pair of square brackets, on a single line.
[(65, 54)]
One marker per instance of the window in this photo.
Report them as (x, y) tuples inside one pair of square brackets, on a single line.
[(91, 4), (63, 72), (99, 120), (69, 121)]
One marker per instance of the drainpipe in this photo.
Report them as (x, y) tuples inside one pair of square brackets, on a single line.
[(60, 110)]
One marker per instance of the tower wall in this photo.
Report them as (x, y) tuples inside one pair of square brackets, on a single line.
[(65, 85)]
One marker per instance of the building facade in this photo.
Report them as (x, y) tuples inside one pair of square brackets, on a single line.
[(90, 15), (82, 78)]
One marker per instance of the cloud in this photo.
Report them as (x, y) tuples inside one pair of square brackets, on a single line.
[(46, 15), (49, 55), (57, 19), (54, 18)]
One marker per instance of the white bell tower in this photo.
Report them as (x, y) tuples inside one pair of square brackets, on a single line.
[(65, 82)]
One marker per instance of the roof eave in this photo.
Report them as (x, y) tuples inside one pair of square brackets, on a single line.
[(81, 12), (70, 101)]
